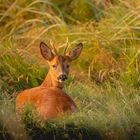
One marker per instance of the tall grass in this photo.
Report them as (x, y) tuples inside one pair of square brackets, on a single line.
[(108, 99), (103, 113)]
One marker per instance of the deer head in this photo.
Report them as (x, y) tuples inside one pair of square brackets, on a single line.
[(59, 64)]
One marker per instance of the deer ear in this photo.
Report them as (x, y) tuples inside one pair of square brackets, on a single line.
[(75, 52), (46, 51)]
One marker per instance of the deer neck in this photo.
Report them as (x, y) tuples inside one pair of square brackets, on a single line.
[(49, 82)]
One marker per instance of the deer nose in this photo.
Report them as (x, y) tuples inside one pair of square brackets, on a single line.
[(62, 77)]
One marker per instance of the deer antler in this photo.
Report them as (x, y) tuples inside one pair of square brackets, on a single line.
[(53, 47), (66, 47)]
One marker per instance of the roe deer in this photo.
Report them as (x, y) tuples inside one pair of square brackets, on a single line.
[(48, 99)]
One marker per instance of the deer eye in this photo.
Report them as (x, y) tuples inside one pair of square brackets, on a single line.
[(67, 66), (54, 66)]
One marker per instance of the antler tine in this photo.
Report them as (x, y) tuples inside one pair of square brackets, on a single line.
[(66, 47), (53, 47)]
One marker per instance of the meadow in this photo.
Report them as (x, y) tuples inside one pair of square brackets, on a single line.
[(104, 81)]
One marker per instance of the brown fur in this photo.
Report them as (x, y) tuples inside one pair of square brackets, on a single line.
[(50, 79), (48, 102), (48, 99)]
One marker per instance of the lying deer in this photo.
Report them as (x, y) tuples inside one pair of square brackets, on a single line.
[(48, 99)]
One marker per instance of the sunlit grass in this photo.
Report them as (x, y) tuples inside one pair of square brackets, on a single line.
[(108, 99), (102, 113)]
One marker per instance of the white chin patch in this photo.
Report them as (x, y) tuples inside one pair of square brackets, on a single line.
[(60, 81)]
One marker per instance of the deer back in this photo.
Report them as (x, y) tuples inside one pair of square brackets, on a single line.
[(48, 102)]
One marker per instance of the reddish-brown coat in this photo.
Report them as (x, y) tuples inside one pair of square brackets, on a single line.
[(48, 99), (49, 102)]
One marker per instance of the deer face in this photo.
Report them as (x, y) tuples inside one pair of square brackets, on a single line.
[(59, 65)]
